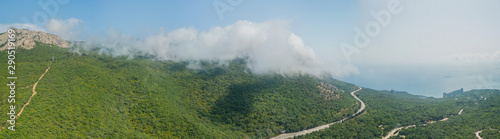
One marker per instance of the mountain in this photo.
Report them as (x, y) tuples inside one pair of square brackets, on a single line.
[(91, 95), (100, 96), (27, 39)]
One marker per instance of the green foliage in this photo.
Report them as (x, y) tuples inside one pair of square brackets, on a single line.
[(490, 134)]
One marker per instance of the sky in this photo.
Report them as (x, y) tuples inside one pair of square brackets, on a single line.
[(424, 47)]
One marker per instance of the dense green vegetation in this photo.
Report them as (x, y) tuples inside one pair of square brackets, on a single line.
[(100, 96)]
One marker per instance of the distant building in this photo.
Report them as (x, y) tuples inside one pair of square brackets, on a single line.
[(461, 90)]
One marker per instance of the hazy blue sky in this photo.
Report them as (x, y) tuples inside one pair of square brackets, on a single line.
[(425, 47)]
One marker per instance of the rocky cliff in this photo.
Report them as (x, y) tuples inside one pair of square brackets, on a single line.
[(27, 39)]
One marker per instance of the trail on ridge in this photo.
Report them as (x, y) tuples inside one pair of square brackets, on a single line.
[(34, 93)]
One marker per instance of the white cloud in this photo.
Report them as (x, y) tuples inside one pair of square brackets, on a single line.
[(67, 29), (270, 46)]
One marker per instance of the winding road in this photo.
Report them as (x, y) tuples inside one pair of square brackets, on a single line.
[(318, 128)]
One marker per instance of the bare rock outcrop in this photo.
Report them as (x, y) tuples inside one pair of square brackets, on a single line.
[(27, 39), (329, 91)]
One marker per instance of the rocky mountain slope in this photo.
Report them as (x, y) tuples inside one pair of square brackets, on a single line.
[(27, 39)]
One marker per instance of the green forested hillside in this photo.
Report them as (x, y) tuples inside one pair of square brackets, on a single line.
[(99, 96)]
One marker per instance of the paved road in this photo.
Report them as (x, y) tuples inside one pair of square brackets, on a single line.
[(303, 132), (362, 103), (395, 133)]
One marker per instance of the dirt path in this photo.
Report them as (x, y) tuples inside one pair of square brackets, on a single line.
[(34, 93), (477, 134), (303, 132)]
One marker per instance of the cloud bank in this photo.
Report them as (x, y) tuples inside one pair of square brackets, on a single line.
[(270, 47), (67, 29)]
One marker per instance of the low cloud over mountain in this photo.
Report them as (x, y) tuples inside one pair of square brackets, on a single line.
[(270, 47)]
